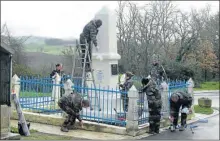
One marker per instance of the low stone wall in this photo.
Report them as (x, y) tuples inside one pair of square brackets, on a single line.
[(90, 126)]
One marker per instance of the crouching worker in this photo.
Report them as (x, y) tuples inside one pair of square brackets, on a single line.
[(72, 104), (154, 104), (125, 88), (177, 100)]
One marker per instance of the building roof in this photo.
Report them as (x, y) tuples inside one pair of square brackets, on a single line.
[(5, 48)]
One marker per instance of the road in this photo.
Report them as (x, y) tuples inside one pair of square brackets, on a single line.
[(207, 131)]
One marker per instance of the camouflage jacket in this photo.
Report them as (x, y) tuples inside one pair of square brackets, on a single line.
[(156, 74), (184, 100), (153, 95), (90, 32), (73, 101)]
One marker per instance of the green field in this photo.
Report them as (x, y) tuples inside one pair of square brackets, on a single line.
[(208, 86), (55, 50), (34, 94)]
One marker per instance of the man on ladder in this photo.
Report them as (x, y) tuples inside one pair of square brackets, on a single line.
[(88, 35)]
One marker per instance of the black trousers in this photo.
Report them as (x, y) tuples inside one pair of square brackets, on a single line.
[(83, 47), (175, 114), (125, 101)]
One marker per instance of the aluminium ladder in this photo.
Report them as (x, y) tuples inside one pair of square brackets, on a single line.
[(80, 73)]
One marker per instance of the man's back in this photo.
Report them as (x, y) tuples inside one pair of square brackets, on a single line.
[(184, 99), (73, 101), (90, 30)]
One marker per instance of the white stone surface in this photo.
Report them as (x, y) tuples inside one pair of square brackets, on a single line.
[(68, 87), (15, 85)]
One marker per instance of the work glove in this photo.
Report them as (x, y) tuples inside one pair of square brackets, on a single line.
[(99, 57), (97, 48)]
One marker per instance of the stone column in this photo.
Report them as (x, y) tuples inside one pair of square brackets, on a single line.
[(190, 91), (68, 87), (132, 114), (165, 100), (15, 81), (15, 85)]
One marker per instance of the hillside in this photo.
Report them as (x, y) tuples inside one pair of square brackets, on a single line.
[(47, 45), (38, 61)]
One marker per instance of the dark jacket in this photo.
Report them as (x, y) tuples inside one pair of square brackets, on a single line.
[(153, 95), (54, 72), (185, 100), (61, 73), (90, 32), (127, 85)]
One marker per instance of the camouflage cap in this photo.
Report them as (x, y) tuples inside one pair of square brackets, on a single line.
[(145, 80), (98, 22), (129, 74)]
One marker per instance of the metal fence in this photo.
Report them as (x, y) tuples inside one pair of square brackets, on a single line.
[(109, 105), (36, 95), (173, 86)]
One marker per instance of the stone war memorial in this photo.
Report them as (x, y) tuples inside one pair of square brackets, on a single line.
[(106, 69)]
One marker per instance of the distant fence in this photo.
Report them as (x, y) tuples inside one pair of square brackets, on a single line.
[(41, 95)]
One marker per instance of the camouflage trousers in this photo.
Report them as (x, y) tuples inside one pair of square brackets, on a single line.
[(70, 119), (154, 120)]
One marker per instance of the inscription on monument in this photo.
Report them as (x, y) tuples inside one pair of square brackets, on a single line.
[(114, 69)]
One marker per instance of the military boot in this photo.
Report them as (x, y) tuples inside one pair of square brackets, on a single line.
[(64, 129), (157, 128), (151, 129), (71, 127)]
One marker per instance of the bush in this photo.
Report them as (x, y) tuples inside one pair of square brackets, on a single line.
[(22, 70)]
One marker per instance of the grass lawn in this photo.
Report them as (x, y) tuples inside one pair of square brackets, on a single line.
[(35, 135), (203, 110), (208, 86), (34, 94)]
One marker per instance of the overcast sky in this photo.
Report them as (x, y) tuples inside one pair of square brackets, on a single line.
[(64, 19)]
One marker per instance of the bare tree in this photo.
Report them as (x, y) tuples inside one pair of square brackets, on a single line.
[(16, 43)]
